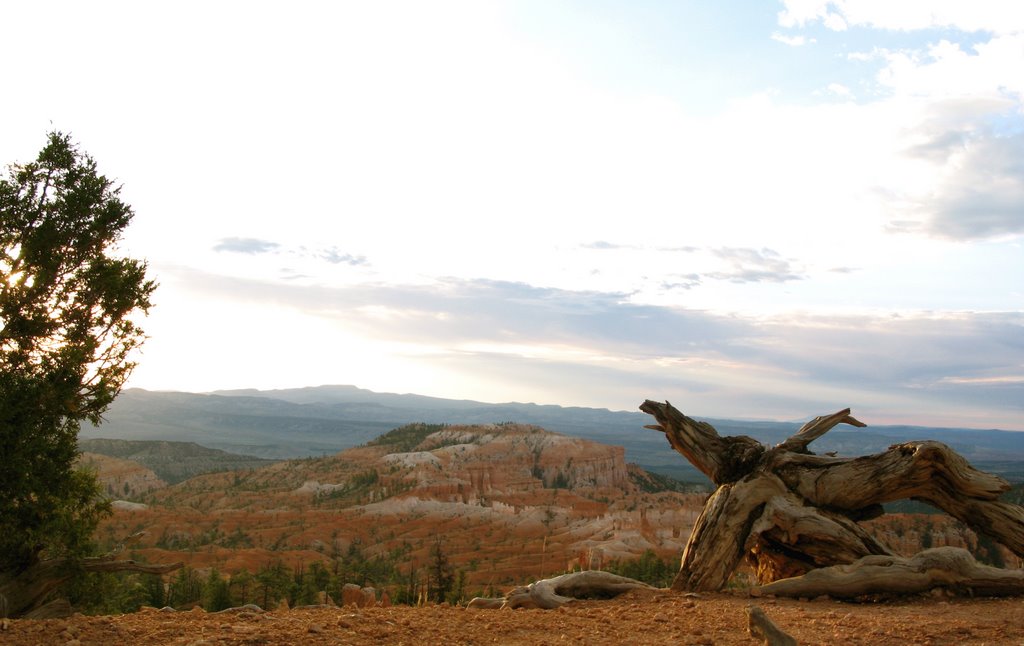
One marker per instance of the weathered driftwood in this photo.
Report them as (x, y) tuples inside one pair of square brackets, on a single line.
[(764, 629), (788, 511), (27, 595), (559, 590), (951, 568)]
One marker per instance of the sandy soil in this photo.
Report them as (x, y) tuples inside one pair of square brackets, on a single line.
[(641, 617)]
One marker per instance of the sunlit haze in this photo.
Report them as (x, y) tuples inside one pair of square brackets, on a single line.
[(751, 209)]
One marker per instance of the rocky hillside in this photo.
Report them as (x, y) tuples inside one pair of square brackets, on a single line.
[(327, 419), (172, 461), (121, 478), (508, 501)]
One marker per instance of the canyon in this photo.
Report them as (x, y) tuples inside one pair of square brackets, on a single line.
[(508, 503)]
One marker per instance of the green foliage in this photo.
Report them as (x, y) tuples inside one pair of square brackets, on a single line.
[(66, 332), (364, 479), (442, 579), (648, 568), (242, 587), (156, 590), (650, 482), (273, 584), (355, 567), (174, 462), (354, 488), (987, 551), (305, 590), (185, 589), (406, 438), (457, 595), (107, 593), (216, 593), (237, 539)]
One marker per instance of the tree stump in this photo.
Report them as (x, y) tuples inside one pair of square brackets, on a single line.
[(789, 511)]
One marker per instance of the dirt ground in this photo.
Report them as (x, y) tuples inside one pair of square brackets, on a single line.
[(640, 617)]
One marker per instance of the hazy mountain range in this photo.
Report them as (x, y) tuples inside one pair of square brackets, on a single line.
[(327, 419)]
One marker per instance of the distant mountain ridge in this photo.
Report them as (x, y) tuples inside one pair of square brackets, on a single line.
[(171, 461), (327, 419)]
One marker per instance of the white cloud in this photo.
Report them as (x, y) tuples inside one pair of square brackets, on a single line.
[(997, 16), (834, 22), (963, 115), (504, 341), (792, 41), (798, 13), (946, 70), (420, 195), (840, 90)]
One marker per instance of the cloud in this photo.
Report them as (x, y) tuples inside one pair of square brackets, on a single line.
[(936, 360), (453, 312), (986, 197), (563, 346), (997, 16), (336, 257), (958, 169), (981, 192), (840, 90), (754, 265), (798, 13), (792, 41), (246, 245), (602, 245), (681, 281)]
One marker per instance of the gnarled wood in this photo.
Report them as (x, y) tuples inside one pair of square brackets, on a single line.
[(815, 428), (559, 590), (952, 568), (790, 512), (791, 538), (927, 471), (723, 459), (764, 629), (719, 537), (758, 517)]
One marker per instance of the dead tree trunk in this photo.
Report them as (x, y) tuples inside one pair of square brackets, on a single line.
[(557, 591), (952, 568), (788, 511)]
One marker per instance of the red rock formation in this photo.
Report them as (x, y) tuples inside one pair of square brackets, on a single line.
[(121, 478), (510, 501)]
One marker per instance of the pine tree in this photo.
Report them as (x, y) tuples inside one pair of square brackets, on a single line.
[(441, 577), (68, 305)]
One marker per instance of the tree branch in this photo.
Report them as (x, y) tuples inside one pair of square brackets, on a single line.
[(947, 567)]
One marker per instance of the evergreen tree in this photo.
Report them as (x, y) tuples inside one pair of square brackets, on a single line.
[(67, 329), (185, 588), (243, 587), (216, 594), (272, 584), (441, 577), (458, 591), (156, 591)]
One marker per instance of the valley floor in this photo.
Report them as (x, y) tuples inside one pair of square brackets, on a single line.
[(640, 617)]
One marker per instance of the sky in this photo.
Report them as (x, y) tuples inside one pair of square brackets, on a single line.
[(752, 209)]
